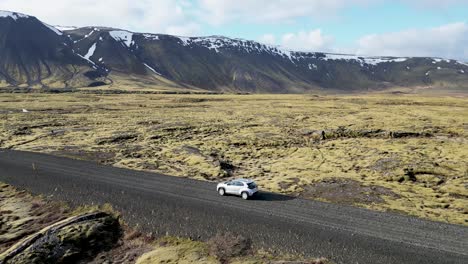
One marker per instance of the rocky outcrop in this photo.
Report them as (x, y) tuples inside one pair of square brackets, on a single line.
[(68, 241)]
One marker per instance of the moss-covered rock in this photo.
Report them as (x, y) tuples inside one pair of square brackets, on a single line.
[(72, 243)]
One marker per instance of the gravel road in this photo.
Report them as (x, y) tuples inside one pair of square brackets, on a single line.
[(185, 207)]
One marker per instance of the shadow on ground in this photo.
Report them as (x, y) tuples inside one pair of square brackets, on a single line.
[(267, 196)]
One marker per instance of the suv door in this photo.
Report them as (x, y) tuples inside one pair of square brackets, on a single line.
[(238, 187), (230, 187)]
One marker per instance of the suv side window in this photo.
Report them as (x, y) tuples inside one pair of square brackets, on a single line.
[(238, 184)]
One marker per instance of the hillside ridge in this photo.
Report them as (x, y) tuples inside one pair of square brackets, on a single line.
[(106, 56)]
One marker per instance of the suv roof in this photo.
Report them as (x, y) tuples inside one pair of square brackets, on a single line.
[(243, 180)]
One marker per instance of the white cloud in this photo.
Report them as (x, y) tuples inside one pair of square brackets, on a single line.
[(313, 40), (165, 16), (308, 41), (183, 30), (267, 39), (434, 3), (448, 41), (219, 12)]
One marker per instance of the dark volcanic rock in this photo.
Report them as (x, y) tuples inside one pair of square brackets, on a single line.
[(116, 138), (402, 134)]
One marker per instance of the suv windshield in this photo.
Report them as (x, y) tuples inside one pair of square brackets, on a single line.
[(252, 185)]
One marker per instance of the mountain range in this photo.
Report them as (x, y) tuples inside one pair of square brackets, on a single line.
[(34, 54)]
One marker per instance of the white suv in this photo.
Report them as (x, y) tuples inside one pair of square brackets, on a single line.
[(244, 188)]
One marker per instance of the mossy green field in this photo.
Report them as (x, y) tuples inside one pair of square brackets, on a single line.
[(404, 153)]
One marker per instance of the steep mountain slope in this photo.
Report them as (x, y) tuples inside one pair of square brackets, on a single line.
[(220, 63), (35, 54), (114, 51)]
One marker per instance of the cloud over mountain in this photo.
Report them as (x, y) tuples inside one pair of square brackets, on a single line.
[(448, 41)]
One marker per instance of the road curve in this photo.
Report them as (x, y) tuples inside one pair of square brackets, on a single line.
[(185, 207)]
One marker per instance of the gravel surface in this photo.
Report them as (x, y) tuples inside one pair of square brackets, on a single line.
[(168, 205)]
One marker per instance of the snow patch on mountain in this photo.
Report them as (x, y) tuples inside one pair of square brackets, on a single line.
[(462, 63), (346, 57), (122, 36), (312, 66), (65, 28), (219, 43), (363, 60), (377, 60), (437, 60), (90, 52), (13, 15), (151, 36), (152, 69), (185, 40), (90, 61), (58, 32), (87, 35)]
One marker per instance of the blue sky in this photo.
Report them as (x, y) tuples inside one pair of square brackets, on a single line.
[(350, 24), (366, 27)]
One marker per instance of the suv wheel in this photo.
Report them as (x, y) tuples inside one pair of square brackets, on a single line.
[(245, 195), (221, 191)]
